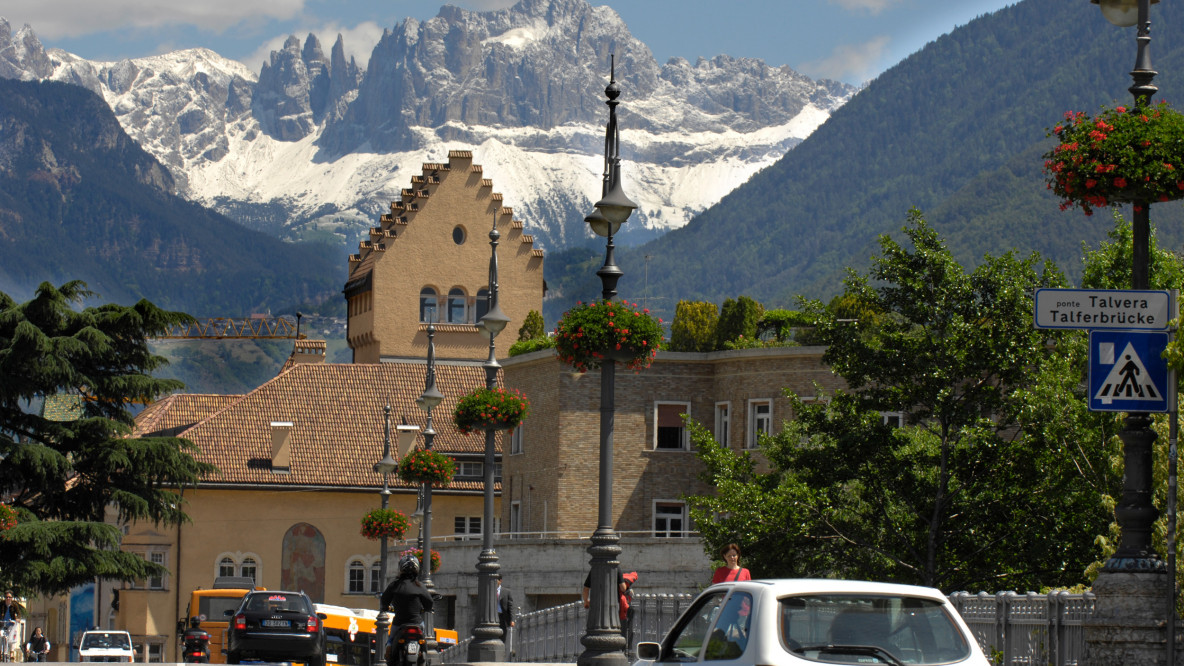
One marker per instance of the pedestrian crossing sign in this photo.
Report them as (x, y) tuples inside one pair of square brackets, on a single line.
[(1127, 372)]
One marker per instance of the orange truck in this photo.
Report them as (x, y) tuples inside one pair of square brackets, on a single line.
[(209, 606)]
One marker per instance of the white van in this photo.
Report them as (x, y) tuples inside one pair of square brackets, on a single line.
[(106, 645)]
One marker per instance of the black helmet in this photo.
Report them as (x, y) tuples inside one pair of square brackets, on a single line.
[(409, 564)]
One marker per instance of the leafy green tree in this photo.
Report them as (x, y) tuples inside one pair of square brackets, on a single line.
[(63, 477), (991, 481), (693, 328), (737, 318), (532, 327)]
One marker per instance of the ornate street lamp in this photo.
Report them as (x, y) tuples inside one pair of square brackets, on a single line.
[(487, 643), (384, 467), (1135, 512), (1134, 569), (430, 398), (603, 641)]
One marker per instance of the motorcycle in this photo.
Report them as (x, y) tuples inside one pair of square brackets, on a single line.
[(195, 645), (407, 646)]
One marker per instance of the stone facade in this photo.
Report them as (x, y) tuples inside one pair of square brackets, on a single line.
[(551, 471), (437, 237)]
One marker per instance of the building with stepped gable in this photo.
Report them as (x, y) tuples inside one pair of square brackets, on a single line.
[(429, 260)]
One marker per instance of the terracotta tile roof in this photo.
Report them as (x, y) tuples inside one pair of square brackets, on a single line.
[(177, 412), (337, 414)]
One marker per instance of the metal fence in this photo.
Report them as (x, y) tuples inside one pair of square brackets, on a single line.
[(1028, 629), (1013, 629)]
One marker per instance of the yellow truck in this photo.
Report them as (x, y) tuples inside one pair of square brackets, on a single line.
[(209, 606)]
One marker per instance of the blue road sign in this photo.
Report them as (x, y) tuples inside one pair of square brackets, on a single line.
[(1127, 372)]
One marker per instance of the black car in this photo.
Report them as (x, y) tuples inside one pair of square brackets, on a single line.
[(276, 626)]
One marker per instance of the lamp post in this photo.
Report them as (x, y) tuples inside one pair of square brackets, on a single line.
[(487, 643), (384, 467), (1135, 512), (604, 644), (430, 398), (1127, 627)]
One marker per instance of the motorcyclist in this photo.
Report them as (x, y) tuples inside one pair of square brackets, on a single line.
[(196, 640), (409, 598)]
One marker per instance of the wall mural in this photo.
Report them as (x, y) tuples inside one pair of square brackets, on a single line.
[(304, 561)]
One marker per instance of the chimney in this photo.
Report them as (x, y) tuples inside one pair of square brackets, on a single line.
[(281, 446)]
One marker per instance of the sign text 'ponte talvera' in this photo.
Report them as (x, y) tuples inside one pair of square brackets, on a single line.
[(1103, 309)]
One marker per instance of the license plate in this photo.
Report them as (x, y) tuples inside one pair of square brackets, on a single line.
[(413, 648), (276, 623)]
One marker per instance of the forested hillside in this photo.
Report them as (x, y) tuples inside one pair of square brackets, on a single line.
[(80, 200), (956, 129)]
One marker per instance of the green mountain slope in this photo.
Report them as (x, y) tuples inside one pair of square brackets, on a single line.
[(956, 129), (80, 200)]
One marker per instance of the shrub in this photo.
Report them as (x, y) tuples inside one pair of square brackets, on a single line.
[(693, 329)]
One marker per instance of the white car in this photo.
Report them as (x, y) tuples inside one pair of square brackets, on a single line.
[(812, 621), (106, 645)]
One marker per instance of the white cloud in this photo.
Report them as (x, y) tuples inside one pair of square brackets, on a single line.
[(870, 6), (849, 61), (359, 42), (57, 19), (484, 5)]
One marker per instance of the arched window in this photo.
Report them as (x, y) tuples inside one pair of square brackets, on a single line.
[(375, 577), (456, 306), (226, 567), (250, 569), (357, 577), (482, 303), (427, 305)]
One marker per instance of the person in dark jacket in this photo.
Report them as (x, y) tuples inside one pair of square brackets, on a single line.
[(409, 598)]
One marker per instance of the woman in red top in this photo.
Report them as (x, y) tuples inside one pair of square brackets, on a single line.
[(731, 569)]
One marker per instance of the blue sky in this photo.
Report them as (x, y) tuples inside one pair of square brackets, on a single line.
[(849, 40)]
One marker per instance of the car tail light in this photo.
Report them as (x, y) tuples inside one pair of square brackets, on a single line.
[(313, 623), (240, 622)]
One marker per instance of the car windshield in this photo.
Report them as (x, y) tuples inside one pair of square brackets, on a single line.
[(860, 629), (277, 602), (101, 641)]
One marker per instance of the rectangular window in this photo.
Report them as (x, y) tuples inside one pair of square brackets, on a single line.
[(156, 582), (357, 578), (515, 517), (722, 422), (760, 421), (467, 526), (670, 519), (155, 653), (516, 441), (474, 469), (893, 419), (375, 576), (669, 433)]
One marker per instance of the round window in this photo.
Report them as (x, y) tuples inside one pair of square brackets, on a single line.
[(458, 235)]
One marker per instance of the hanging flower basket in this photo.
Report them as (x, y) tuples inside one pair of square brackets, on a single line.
[(7, 518), (490, 409), (418, 553), (423, 466), (591, 333), (381, 524), (1121, 155)]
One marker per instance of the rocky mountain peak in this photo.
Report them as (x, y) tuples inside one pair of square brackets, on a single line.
[(21, 54), (299, 87)]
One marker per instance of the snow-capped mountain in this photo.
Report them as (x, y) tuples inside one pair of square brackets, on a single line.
[(313, 145)]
